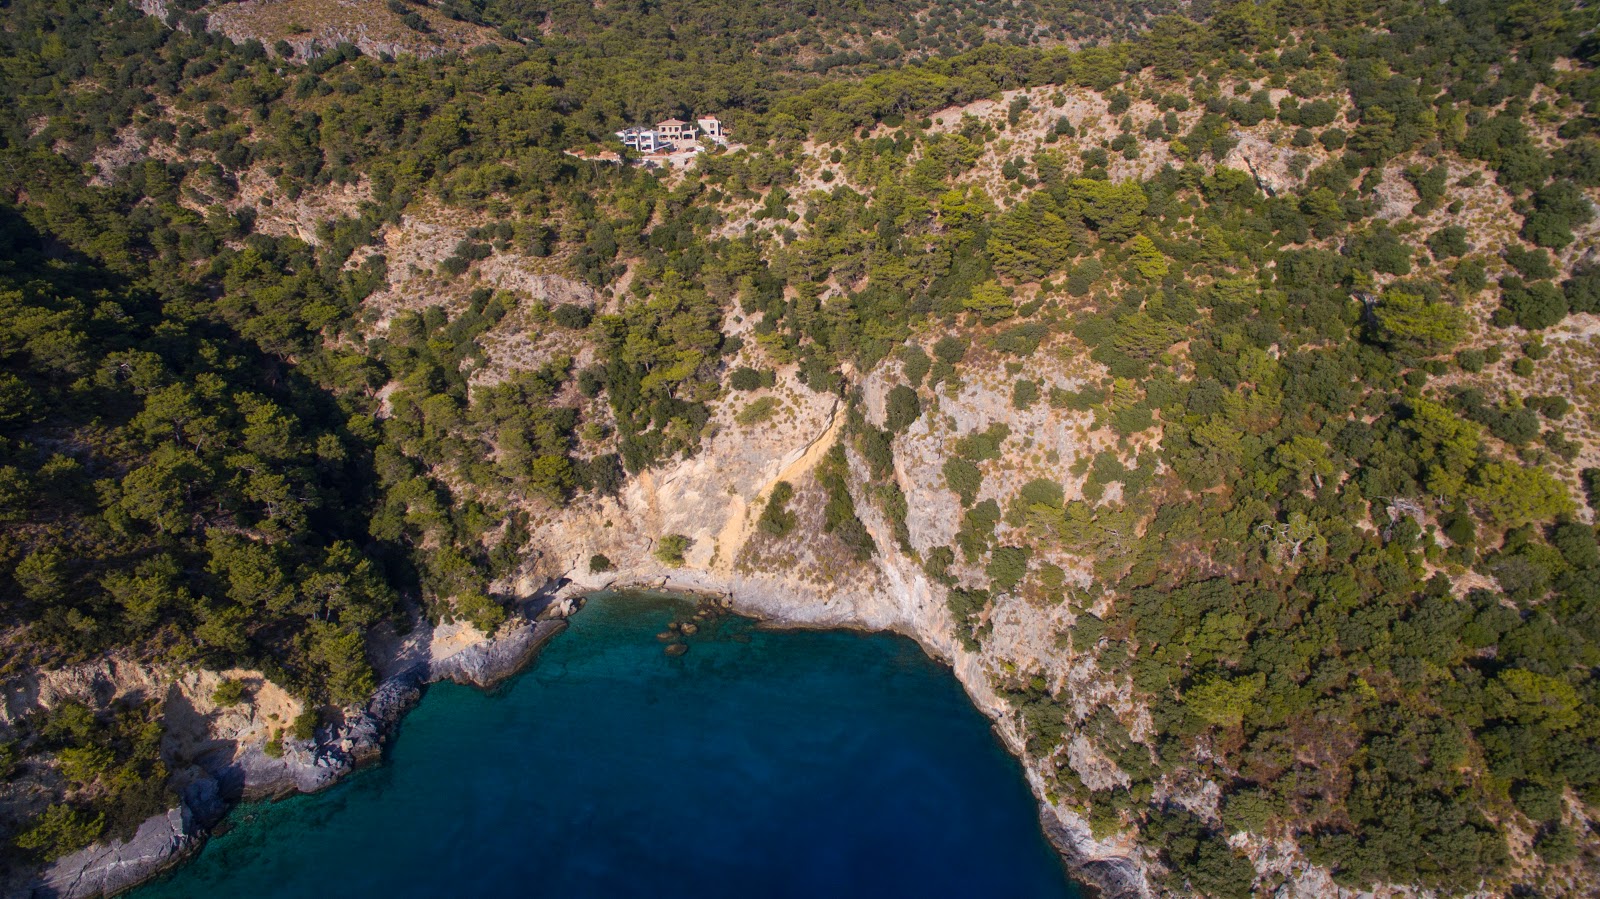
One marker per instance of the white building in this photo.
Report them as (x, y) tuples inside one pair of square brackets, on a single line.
[(671, 134), (642, 139)]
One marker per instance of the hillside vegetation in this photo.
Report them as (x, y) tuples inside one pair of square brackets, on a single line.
[(1312, 287)]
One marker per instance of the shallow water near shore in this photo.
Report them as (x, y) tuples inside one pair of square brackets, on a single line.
[(760, 763)]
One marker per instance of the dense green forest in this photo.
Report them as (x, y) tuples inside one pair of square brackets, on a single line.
[(1351, 573)]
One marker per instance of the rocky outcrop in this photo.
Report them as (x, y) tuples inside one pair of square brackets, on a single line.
[(490, 662), (306, 766), (221, 756), (101, 870)]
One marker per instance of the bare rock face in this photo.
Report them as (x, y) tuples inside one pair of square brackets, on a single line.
[(1274, 168), (489, 662), (101, 870)]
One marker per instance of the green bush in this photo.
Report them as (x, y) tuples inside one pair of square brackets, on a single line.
[(1451, 240), (571, 315), (776, 519), (599, 563), (759, 410), (902, 409), (984, 445), (670, 550), (964, 478), (60, 830), (1008, 566), (950, 349), (480, 611), (1086, 632), (1024, 393), (917, 364), (229, 692), (839, 515), (746, 378)]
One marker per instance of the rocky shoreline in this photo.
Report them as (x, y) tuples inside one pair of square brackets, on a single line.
[(209, 789)]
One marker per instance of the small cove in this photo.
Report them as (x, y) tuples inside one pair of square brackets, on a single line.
[(761, 763)]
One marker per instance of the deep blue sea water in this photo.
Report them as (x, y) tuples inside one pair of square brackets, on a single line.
[(760, 764)]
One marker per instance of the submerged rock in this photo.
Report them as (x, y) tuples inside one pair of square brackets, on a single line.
[(676, 649)]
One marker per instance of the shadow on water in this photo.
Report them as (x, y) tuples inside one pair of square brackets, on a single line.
[(756, 763)]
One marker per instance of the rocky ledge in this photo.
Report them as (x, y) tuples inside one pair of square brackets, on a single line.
[(159, 843)]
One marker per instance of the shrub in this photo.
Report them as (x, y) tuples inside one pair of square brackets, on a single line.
[(1531, 306), (61, 830), (671, 549), (746, 378), (877, 448), (964, 606), (571, 315), (1552, 407), (1469, 275), (776, 519), (981, 445), (903, 408), (480, 611), (1008, 566), (599, 563), (1450, 240), (950, 349), (1583, 290), (937, 564), (1086, 631), (1024, 393), (229, 692), (1021, 340), (757, 412), (1556, 844), (839, 515), (1043, 492), (305, 725), (917, 364), (1249, 811), (1531, 264)]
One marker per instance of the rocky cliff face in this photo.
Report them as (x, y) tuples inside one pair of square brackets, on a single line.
[(807, 580)]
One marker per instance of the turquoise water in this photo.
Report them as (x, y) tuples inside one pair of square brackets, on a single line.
[(762, 763)]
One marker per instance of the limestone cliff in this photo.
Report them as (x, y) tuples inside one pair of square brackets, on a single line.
[(807, 580)]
